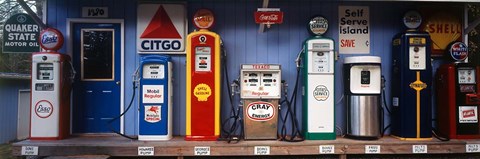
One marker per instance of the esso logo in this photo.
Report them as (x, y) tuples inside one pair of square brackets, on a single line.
[(51, 39), (43, 109), (458, 51)]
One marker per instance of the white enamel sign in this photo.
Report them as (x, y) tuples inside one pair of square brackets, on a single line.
[(354, 29)]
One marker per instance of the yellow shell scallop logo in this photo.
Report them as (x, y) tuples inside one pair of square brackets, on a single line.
[(202, 91)]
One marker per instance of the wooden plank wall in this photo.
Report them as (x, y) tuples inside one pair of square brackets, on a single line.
[(235, 24)]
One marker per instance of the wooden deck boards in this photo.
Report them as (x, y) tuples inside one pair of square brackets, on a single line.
[(118, 146)]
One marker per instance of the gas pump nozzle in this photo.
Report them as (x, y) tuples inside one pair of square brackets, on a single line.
[(298, 60)]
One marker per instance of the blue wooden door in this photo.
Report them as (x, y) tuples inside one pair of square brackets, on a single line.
[(96, 91)]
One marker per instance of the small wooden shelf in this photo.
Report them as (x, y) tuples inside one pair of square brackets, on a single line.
[(118, 146)]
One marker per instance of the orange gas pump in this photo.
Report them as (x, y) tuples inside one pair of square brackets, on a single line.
[(203, 80)]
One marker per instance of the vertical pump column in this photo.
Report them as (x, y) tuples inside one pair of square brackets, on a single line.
[(52, 75), (155, 107), (412, 82), (203, 80), (318, 96), (260, 93)]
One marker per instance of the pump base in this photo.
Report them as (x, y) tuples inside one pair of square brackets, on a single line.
[(320, 136), (412, 139), (154, 137), (362, 137), (201, 138)]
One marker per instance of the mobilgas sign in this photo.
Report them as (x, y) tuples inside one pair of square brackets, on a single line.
[(20, 34), (161, 28)]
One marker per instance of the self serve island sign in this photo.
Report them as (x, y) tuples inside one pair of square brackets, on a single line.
[(161, 28), (20, 34)]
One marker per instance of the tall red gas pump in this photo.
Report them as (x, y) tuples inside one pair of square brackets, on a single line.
[(203, 80), (458, 96), (52, 76)]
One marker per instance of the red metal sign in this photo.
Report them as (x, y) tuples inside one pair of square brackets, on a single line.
[(269, 17)]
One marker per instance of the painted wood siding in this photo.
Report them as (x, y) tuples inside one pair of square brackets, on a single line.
[(279, 44), (8, 107)]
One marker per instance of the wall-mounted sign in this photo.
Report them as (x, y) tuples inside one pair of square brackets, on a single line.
[(95, 12), (268, 16), (354, 29), (20, 34), (444, 28), (161, 28), (458, 51)]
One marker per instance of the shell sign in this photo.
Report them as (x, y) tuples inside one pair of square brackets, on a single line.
[(444, 28)]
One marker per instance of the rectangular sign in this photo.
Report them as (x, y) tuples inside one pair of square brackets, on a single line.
[(146, 151), (372, 148), (29, 150), (271, 17), (354, 29), (95, 12), (262, 150), (472, 148), (467, 114), (20, 34), (201, 150), (419, 149), (161, 28), (152, 93), (326, 149)]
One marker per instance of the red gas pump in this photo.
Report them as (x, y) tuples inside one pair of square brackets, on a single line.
[(203, 80), (458, 97)]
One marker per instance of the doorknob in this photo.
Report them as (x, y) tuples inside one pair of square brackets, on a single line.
[(118, 82)]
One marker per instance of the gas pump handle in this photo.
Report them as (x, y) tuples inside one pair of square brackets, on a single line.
[(298, 60)]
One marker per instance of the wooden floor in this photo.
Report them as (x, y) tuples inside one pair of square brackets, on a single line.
[(119, 146)]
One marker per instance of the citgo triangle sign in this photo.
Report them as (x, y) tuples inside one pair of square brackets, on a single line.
[(161, 28)]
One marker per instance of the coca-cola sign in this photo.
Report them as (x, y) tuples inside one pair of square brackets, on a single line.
[(269, 17)]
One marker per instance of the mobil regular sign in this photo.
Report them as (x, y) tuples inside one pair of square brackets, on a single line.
[(20, 34)]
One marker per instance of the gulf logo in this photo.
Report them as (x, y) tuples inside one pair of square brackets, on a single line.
[(161, 28)]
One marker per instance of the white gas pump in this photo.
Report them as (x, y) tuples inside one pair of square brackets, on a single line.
[(52, 75), (260, 90), (318, 101)]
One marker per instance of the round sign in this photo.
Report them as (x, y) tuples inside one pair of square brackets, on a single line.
[(43, 109), (203, 19), (321, 93), (51, 39), (260, 111), (458, 51), (412, 19), (318, 25)]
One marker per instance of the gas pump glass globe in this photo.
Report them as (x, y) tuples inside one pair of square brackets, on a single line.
[(318, 25), (412, 19)]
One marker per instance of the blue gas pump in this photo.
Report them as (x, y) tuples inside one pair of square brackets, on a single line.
[(155, 102)]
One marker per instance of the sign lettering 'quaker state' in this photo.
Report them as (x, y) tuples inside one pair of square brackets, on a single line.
[(161, 28), (20, 34), (354, 29)]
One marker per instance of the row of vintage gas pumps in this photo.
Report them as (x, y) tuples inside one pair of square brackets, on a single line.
[(261, 89)]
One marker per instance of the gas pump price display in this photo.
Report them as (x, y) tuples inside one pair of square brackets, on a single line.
[(466, 76), (417, 53), (202, 59), (45, 71), (320, 58), (153, 71)]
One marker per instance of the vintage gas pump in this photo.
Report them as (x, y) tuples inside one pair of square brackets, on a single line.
[(260, 88), (362, 79), (203, 80), (318, 96), (458, 96), (411, 82), (155, 108), (52, 75)]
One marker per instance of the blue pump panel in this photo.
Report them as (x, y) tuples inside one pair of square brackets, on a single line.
[(411, 86), (155, 97)]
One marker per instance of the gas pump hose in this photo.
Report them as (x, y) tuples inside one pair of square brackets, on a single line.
[(109, 123), (234, 114), (295, 134)]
